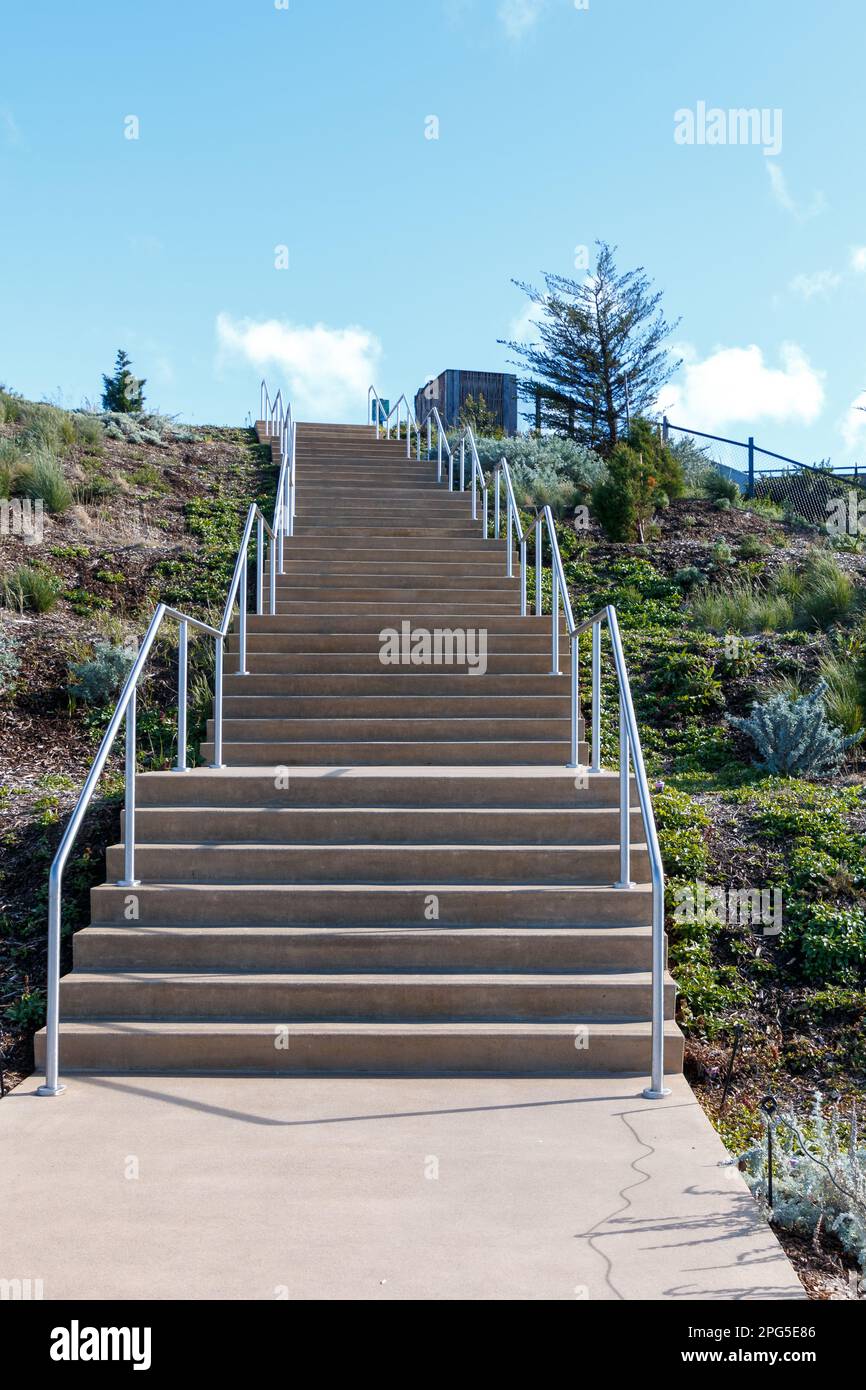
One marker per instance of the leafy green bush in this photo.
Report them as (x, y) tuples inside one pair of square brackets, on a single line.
[(97, 681), (751, 548), (682, 683), (793, 737), (690, 576), (722, 553), (830, 939), (681, 824), (641, 475), (30, 588)]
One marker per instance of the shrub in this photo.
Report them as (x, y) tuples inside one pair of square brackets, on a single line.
[(97, 681), (690, 576), (830, 940), (122, 392), (683, 682), (752, 549), (722, 553), (681, 825), (819, 1178), (845, 699), (9, 662), (641, 475), (793, 736), (30, 588), (719, 487)]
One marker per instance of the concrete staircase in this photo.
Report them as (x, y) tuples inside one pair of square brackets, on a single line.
[(395, 872)]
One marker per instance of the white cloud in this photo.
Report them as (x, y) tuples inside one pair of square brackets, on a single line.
[(11, 132), (783, 196), (735, 385), (853, 422), (522, 327), (858, 258), (519, 16), (326, 371), (820, 282)]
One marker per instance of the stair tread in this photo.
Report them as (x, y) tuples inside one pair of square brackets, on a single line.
[(625, 1027), (362, 977)]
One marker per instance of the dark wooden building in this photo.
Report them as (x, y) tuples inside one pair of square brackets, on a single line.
[(449, 390)]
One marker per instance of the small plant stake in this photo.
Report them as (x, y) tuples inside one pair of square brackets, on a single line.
[(769, 1107), (738, 1033)]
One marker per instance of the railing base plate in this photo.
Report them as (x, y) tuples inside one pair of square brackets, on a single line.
[(50, 1090), (650, 1094)]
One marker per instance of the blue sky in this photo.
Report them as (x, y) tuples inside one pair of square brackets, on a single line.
[(306, 127)]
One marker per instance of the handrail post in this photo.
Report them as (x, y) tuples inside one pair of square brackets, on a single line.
[(624, 808), (474, 494), (596, 698), (430, 439), (496, 475), (575, 701), (218, 703), (260, 562), (52, 1085), (484, 511), (439, 455), (523, 577), (462, 460), (273, 575), (182, 650), (281, 524), (129, 880), (539, 568), (554, 630), (509, 559), (243, 598)]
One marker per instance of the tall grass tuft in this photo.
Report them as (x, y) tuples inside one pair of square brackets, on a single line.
[(29, 588), (45, 479), (742, 606)]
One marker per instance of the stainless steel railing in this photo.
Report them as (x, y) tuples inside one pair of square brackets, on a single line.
[(278, 421), (630, 750)]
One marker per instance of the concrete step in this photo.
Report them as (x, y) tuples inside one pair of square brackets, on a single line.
[(480, 725), (214, 947), (455, 644), (372, 581), (329, 621), (332, 862), (389, 996), (445, 753), (499, 663), (367, 825), (379, 1049), (374, 905), (436, 706), (394, 682), (412, 788)]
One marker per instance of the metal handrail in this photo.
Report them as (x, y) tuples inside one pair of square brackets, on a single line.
[(630, 749), (126, 708)]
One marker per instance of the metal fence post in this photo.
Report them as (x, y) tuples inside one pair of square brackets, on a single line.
[(182, 648), (751, 486)]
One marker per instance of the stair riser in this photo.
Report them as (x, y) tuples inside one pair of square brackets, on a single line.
[(443, 754), (395, 685), (347, 1000), (224, 949), (396, 789), (368, 663), (410, 863), (370, 624), (360, 642), (161, 825), (372, 906), (480, 727), (402, 1055), (386, 707)]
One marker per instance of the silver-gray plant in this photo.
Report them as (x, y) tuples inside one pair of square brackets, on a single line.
[(793, 736), (819, 1176)]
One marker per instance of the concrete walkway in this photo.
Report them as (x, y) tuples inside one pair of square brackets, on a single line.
[(195, 1188)]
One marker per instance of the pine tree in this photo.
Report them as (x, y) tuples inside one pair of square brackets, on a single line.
[(600, 356), (123, 392)]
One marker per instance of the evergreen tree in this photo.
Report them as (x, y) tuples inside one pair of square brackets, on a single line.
[(479, 415), (123, 392), (600, 356)]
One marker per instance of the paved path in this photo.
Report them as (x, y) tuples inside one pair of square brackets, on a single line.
[(347, 1188)]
